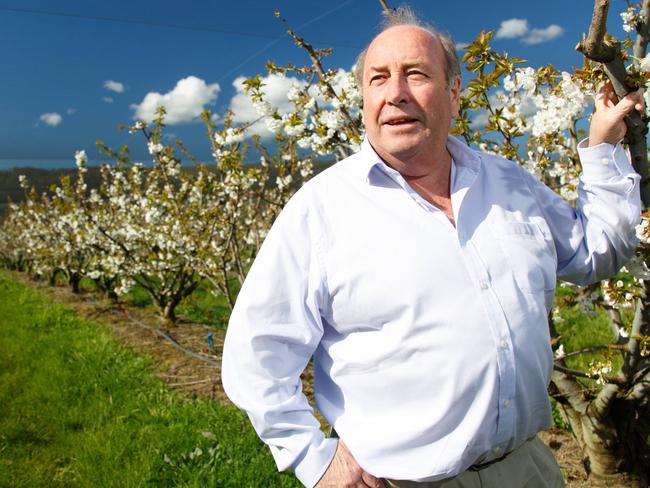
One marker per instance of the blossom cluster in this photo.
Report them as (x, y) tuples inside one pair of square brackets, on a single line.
[(161, 228)]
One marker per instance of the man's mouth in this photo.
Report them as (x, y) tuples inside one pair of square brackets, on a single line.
[(400, 121)]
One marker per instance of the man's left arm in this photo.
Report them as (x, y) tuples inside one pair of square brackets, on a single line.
[(595, 239)]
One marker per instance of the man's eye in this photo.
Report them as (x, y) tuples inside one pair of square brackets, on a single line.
[(416, 74), (376, 79)]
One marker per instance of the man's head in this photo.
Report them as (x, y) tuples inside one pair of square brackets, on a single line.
[(411, 90), (406, 16)]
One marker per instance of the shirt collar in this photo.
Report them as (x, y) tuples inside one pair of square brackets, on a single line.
[(463, 157)]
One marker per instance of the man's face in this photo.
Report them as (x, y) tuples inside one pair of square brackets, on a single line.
[(407, 107)]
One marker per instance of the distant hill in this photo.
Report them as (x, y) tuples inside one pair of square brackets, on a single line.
[(43, 179)]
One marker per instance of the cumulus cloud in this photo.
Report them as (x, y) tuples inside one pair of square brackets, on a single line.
[(184, 103), (114, 86), (275, 88), (537, 36), (519, 29), (512, 28), (107, 99), (528, 108), (51, 118)]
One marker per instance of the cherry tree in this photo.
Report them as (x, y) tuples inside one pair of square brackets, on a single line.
[(169, 231)]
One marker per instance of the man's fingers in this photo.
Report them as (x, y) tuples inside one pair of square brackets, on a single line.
[(371, 481), (606, 97)]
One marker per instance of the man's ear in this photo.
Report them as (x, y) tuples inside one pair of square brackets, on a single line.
[(454, 97)]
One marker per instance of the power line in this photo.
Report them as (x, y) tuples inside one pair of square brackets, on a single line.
[(275, 41), (177, 26)]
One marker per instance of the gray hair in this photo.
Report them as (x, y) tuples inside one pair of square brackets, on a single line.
[(404, 15)]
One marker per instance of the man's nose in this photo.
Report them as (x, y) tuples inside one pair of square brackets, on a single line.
[(397, 91)]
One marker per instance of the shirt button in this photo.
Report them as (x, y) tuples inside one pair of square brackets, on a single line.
[(604, 161), (506, 403), (483, 285), (497, 450), (504, 344)]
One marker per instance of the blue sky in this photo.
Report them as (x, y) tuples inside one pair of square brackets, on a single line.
[(73, 70)]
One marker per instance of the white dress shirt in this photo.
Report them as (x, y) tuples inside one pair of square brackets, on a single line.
[(430, 342)]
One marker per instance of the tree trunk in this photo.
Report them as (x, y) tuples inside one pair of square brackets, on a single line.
[(169, 311), (74, 280), (615, 444), (53, 277), (112, 296)]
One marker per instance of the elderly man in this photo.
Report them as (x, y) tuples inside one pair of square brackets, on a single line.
[(419, 274)]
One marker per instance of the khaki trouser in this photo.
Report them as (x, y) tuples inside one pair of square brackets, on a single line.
[(530, 466)]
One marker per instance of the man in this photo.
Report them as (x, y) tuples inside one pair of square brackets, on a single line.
[(419, 274)]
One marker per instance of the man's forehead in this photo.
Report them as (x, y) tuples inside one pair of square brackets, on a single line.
[(399, 35), (405, 45)]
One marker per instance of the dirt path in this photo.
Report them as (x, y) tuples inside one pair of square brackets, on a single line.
[(196, 377)]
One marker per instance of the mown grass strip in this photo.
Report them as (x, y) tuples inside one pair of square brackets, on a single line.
[(78, 409)]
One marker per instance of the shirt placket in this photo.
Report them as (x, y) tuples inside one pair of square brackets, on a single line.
[(496, 319), (462, 179)]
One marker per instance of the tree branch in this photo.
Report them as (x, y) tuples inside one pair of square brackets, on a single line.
[(594, 46), (586, 350), (571, 392), (571, 372), (642, 32), (387, 10), (599, 47), (315, 59)]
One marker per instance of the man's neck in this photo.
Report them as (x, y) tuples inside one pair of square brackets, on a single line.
[(429, 177)]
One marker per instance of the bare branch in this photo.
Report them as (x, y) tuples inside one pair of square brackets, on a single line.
[(601, 405), (642, 32), (601, 347), (615, 322), (386, 8), (570, 390), (639, 329), (594, 46), (571, 372), (315, 59)]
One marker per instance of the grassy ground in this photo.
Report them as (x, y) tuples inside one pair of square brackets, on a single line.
[(77, 409)]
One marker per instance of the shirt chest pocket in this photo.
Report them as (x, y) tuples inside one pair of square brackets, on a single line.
[(530, 254)]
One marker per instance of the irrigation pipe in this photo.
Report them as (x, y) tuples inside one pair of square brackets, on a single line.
[(171, 340)]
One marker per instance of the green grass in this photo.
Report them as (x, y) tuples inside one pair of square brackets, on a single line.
[(78, 409), (205, 307), (201, 306)]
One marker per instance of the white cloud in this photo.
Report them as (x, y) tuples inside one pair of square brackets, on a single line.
[(461, 45), (527, 109), (51, 118), (275, 88), (184, 103), (275, 92), (107, 99), (537, 36), (512, 28), (518, 28), (71, 111), (114, 86)]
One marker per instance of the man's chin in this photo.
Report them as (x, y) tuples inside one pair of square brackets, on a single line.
[(402, 151)]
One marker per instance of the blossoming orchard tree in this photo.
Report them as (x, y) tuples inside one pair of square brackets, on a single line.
[(169, 231), (533, 116)]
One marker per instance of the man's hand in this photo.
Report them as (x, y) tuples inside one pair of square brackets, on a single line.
[(345, 472), (607, 122)]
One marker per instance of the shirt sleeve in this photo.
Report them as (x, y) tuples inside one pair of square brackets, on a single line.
[(273, 331), (594, 239)]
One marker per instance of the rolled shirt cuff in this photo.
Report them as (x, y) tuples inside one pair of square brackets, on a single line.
[(310, 469), (604, 161)]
